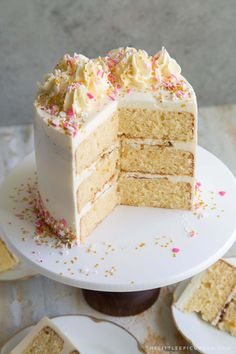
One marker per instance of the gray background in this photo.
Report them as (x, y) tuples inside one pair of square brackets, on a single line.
[(34, 34)]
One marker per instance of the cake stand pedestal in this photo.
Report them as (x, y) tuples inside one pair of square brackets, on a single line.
[(121, 304), (134, 251)]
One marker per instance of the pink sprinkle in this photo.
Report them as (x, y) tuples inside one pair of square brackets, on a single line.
[(90, 96), (197, 205), (64, 222), (193, 233), (197, 186), (222, 193), (70, 113), (175, 250), (112, 97), (98, 72)]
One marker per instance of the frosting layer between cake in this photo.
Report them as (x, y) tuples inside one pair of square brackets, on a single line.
[(136, 108)]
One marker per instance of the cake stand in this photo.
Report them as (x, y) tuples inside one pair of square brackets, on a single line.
[(134, 251)]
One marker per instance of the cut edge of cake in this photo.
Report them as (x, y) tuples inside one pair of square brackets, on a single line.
[(8, 260), (46, 334), (187, 301), (160, 118)]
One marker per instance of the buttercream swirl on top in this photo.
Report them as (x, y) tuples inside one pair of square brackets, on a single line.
[(131, 68), (165, 66), (75, 83), (78, 83)]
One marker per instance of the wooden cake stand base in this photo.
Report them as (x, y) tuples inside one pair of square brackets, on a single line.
[(121, 304)]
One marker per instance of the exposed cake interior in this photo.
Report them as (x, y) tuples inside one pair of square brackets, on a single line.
[(7, 259), (129, 123), (47, 341), (212, 295), (45, 338)]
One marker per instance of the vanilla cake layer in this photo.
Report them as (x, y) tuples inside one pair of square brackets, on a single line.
[(97, 211), (156, 124), (7, 259), (46, 341), (96, 143), (95, 177), (45, 338), (156, 159), (69, 142), (154, 192), (209, 292)]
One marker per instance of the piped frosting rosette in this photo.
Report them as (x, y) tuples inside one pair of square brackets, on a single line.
[(78, 83)]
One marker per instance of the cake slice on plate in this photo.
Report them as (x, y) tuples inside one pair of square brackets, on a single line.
[(7, 259), (212, 295), (45, 338)]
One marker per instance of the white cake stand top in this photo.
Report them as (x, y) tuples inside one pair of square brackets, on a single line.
[(133, 248)]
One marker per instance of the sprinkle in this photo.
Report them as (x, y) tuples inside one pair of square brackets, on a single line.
[(222, 193), (197, 186), (70, 113), (90, 96), (175, 250), (63, 222), (191, 233), (111, 97)]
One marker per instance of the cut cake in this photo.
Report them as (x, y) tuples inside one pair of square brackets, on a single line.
[(7, 259), (45, 338), (212, 294), (119, 129)]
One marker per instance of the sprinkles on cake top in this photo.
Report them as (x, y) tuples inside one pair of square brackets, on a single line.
[(78, 84), (114, 130)]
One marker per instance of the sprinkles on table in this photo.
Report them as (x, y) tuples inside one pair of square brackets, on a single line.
[(200, 208)]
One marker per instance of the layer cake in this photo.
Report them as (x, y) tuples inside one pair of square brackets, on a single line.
[(45, 338), (119, 129), (212, 294)]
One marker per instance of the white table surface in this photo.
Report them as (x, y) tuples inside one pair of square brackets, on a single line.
[(26, 301)]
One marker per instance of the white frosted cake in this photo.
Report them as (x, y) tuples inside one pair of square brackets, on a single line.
[(119, 129), (45, 338), (212, 294)]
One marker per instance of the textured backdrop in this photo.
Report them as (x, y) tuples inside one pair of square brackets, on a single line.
[(34, 34)]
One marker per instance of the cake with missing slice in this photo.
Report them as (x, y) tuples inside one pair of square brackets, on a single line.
[(118, 129)]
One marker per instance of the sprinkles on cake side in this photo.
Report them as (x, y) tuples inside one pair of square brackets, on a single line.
[(119, 129)]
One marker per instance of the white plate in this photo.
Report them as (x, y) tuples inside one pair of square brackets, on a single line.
[(92, 336), (133, 248), (206, 338), (21, 271)]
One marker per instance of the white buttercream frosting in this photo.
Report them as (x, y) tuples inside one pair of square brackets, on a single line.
[(165, 66), (79, 85), (83, 93)]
